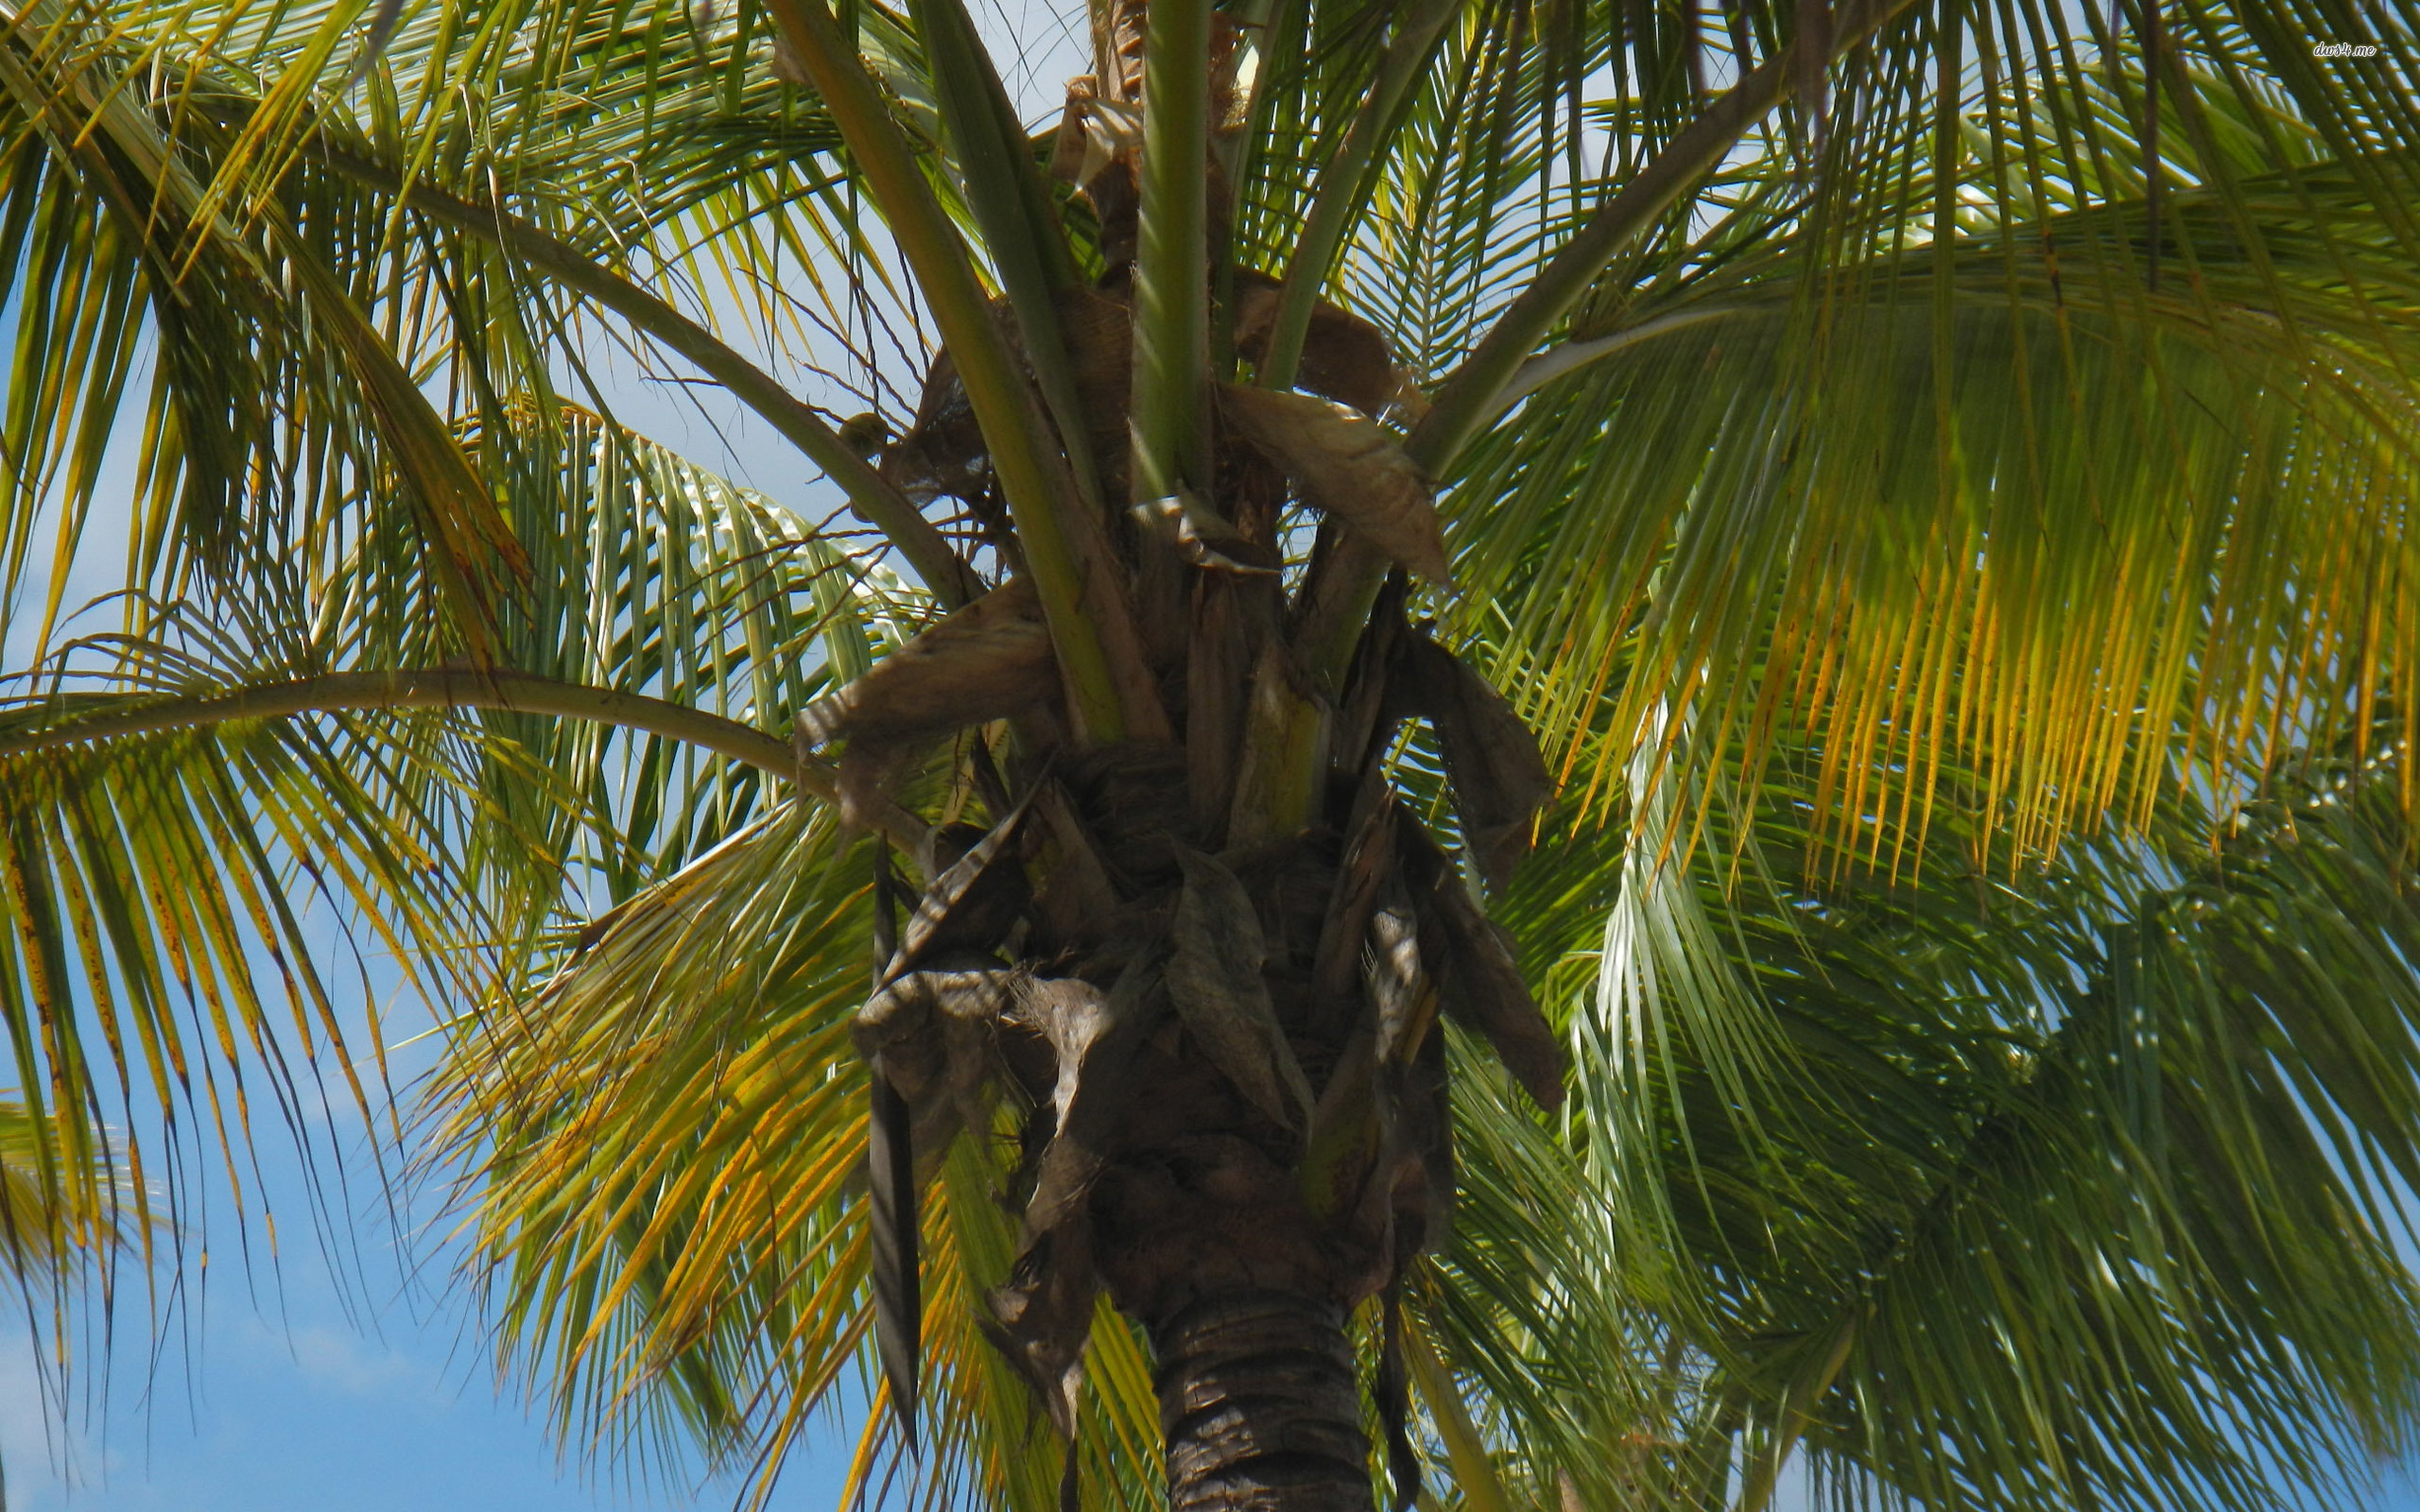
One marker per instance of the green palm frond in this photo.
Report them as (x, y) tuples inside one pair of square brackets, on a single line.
[(165, 882), (2075, 1185), (249, 324), (661, 1155), (2242, 1052), (58, 1195), (166, 876), (700, 1299), (1909, 487), (65, 1229)]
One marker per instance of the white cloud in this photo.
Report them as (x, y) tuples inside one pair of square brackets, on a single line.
[(340, 1360), (42, 1454)]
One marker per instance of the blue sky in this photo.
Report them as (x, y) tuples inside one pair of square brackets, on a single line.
[(289, 1399), (312, 1413)]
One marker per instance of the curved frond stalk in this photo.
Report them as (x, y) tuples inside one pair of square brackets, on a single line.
[(492, 688), (1343, 184), (1474, 1476), (1066, 547), (1170, 413), (1021, 230), (875, 500), (1469, 393), (428, 688), (1570, 357)]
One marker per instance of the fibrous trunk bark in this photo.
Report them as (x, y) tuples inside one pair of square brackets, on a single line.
[(1260, 1406), (1202, 1232)]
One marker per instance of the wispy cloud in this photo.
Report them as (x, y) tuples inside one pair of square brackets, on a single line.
[(334, 1359)]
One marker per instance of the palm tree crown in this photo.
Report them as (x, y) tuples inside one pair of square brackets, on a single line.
[(1577, 745)]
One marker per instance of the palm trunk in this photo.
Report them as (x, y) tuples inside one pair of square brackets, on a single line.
[(1202, 1234), (1234, 940), (1260, 1407)]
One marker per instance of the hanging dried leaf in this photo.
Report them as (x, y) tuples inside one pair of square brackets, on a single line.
[(1096, 148), (1366, 716), (942, 452), (1424, 1129), (977, 893), (1067, 141), (1093, 1036), (1478, 981), (900, 1022), (898, 1290), (893, 1031), (988, 661), (1043, 1315), (1394, 1402), (1501, 780), (1349, 468), (1369, 858), (1347, 1137), (1399, 990), (930, 1031), (1214, 978), (1344, 357), (1366, 1162), (1041, 1320), (1204, 537)]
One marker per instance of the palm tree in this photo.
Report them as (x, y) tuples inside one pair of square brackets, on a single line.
[(1900, 509)]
